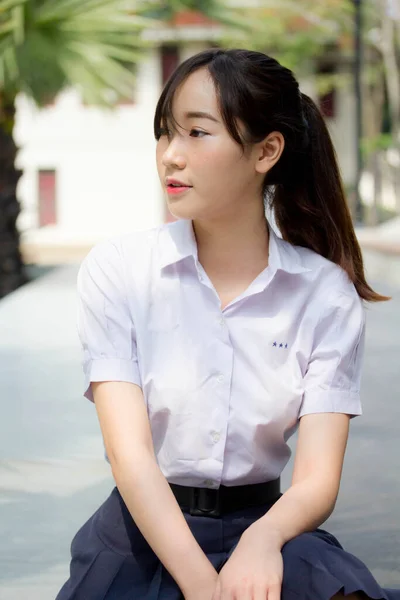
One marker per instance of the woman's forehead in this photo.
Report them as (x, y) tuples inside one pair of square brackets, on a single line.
[(196, 98)]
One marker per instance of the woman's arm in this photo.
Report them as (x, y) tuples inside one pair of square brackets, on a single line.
[(127, 437), (316, 477), (331, 396)]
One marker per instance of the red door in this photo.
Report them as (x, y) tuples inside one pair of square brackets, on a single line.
[(47, 198)]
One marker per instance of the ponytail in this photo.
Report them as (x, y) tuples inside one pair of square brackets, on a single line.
[(311, 208)]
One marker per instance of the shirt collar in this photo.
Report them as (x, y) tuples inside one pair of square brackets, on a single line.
[(177, 242), (284, 256)]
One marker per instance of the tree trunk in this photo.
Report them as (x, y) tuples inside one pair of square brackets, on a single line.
[(376, 169), (373, 95), (12, 271)]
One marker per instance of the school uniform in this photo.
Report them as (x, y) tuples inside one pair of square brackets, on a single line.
[(224, 391)]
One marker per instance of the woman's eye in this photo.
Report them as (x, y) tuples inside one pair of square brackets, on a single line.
[(197, 132)]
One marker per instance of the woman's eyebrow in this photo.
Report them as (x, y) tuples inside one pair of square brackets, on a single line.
[(199, 115)]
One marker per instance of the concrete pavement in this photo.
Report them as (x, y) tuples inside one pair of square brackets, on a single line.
[(52, 472), (383, 238)]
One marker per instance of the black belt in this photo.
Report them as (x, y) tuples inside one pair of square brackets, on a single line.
[(208, 502)]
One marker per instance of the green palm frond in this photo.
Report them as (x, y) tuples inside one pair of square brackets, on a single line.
[(11, 17), (6, 5), (47, 45), (92, 45)]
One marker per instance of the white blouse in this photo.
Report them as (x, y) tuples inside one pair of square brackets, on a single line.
[(224, 389)]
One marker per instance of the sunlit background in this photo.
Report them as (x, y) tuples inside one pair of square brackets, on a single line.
[(79, 81)]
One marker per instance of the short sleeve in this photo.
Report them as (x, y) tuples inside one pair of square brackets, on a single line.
[(332, 380), (105, 324)]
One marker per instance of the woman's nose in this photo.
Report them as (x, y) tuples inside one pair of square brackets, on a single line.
[(173, 156)]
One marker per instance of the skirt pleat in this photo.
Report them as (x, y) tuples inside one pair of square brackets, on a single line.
[(317, 567), (111, 560)]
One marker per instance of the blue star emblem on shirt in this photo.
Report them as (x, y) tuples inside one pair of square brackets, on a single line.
[(274, 344)]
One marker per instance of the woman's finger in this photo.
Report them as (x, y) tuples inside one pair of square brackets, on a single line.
[(242, 594), (260, 593), (274, 592)]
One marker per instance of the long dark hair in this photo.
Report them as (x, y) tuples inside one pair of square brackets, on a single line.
[(304, 188)]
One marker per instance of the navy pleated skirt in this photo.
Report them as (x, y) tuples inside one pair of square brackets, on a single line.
[(111, 560)]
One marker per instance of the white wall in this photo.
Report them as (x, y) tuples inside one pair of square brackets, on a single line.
[(105, 161), (190, 49)]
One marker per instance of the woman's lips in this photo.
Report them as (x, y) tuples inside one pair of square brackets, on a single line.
[(174, 190)]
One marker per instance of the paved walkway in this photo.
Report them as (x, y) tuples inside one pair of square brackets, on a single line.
[(52, 472), (383, 238)]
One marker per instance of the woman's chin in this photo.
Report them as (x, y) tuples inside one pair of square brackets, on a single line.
[(182, 210)]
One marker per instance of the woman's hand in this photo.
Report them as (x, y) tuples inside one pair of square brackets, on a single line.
[(254, 570)]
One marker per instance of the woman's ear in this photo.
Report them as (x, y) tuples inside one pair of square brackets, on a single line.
[(269, 151)]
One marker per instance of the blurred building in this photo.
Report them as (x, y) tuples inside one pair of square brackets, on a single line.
[(89, 173)]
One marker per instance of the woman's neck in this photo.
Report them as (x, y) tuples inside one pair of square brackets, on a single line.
[(242, 243)]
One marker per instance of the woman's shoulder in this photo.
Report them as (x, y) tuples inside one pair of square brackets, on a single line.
[(324, 273), (127, 246)]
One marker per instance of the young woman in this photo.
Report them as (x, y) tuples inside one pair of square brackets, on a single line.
[(208, 341)]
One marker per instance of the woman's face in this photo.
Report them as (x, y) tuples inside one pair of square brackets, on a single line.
[(201, 154)]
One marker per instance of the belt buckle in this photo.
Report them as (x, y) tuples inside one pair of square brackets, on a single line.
[(205, 502)]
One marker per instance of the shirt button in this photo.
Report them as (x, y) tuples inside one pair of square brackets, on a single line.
[(220, 378), (216, 436), (221, 321)]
